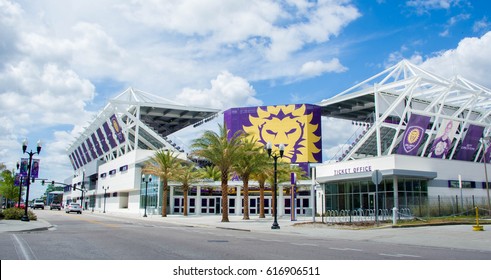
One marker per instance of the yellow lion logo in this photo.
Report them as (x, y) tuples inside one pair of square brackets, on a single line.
[(288, 125)]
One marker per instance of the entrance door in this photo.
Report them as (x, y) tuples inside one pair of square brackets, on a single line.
[(303, 203), (209, 204)]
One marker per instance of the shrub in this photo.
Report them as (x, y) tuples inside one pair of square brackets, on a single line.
[(17, 213), (1, 214)]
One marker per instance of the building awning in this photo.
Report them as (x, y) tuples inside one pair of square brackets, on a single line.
[(385, 173)]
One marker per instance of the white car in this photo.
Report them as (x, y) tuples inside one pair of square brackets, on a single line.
[(73, 207)]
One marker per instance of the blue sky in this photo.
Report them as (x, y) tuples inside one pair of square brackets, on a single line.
[(60, 62)]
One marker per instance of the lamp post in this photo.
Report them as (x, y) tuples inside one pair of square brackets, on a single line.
[(269, 148), (146, 181), (25, 218), (82, 189), (105, 189), (485, 142)]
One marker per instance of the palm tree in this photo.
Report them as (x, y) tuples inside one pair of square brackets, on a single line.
[(186, 174), (246, 165), (210, 172), (163, 164), (222, 151)]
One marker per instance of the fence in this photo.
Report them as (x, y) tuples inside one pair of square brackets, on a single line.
[(364, 215), (444, 206)]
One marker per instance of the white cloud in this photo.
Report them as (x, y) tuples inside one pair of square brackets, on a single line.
[(226, 91), (53, 54), (317, 68), (471, 59), (424, 6), (481, 25), (334, 131), (268, 27)]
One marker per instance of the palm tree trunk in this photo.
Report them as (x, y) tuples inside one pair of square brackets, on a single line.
[(246, 198), (185, 191), (164, 198), (261, 201), (224, 199)]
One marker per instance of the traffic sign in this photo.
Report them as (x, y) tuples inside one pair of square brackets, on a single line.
[(376, 177)]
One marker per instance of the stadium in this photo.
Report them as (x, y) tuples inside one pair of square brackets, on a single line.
[(427, 135)]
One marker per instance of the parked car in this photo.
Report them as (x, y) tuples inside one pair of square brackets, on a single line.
[(38, 203), (21, 205), (55, 205), (73, 207)]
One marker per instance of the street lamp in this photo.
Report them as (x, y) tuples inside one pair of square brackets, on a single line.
[(105, 189), (146, 181), (485, 142), (25, 218), (269, 148)]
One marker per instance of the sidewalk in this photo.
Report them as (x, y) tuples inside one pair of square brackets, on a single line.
[(451, 236), (20, 226)]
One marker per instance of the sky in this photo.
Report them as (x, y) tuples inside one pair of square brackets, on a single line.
[(61, 61)]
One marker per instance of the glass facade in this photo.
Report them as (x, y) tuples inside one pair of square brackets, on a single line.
[(360, 194), (152, 193)]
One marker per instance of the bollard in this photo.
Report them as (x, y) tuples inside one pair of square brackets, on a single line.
[(394, 216), (477, 227)]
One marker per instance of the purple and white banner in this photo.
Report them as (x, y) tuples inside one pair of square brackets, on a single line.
[(17, 180), (24, 163), (470, 142), (109, 135), (415, 131), (444, 137), (117, 128), (35, 168)]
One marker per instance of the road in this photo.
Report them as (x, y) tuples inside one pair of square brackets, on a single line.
[(97, 237)]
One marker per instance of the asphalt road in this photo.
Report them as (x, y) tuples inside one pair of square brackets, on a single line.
[(96, 237)]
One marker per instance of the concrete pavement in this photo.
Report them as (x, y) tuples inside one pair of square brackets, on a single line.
[(450, 236)]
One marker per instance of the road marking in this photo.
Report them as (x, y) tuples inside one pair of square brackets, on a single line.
[(97, 222), (346, 249), (304, 244), (22, 248), (400, 255)]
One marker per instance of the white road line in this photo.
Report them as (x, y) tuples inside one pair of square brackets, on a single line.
[(346, 249), (305, 244), (399, 255), (22, 248)]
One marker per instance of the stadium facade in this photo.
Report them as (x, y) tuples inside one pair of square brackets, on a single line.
[(424, 133)]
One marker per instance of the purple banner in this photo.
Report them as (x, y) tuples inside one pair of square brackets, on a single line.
[(415, 131), (91, 148), (105, 147), (470, 142), (77, 156), (35, 168), (296, 126), (72, 162), (117, 129), (444, 137), (17, 180), (86, 153), (109, 135), (97, 146), (24, 162), (81, 153), (72, 157)]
